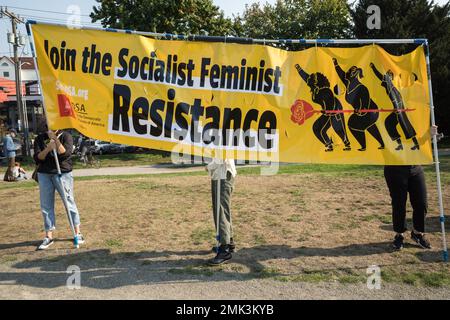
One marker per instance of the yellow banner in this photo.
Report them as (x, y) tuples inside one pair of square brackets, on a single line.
[(253, 102)]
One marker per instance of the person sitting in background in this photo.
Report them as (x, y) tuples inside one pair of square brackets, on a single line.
[(9, 149), (19, 173)]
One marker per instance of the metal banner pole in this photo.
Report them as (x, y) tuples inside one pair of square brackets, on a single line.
[(436, 157)]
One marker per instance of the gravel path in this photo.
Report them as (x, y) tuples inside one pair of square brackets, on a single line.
[(134, 282)]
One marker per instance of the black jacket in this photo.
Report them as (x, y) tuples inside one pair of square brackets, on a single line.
[(49, 165)]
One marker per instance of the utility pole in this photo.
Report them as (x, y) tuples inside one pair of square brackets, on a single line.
[(17, 40)]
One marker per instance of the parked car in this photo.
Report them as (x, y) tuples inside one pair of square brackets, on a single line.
[(115, 148), (103, 147), (124, 148)]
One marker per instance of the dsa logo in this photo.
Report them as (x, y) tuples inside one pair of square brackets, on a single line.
[(65, 107)]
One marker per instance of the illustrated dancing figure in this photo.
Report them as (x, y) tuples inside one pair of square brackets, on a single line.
[(323, 96), (398, 116), (358, 96)]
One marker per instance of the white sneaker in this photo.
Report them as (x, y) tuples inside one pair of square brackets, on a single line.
[(80, 238), (45, 244)]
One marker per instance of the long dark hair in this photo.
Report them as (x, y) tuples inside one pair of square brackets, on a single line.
[(317, 81), (354, 73)]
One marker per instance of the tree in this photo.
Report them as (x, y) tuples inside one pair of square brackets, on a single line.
[(170, 16), (295, 19), (415, 19)]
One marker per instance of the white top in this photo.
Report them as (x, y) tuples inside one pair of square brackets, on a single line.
[(15, 172), (218, 168)]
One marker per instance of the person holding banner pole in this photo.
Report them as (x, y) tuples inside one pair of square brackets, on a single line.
[(222, 173), (52, 154), (401, 181)]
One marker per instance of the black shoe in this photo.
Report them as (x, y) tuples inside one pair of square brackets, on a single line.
[(421, 240), (399, 147), (362, 149), (416, 147), (223, 256), (398, 242), (231, 247)]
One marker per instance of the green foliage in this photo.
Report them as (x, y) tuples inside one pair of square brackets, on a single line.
[(295, 19), (171, 16)]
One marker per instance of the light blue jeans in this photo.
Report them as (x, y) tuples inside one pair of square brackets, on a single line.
[(48, 183)]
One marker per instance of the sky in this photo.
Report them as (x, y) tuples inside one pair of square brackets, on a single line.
[(60, 7)]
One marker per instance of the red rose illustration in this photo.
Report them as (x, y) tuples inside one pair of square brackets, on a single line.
[(301, 111)]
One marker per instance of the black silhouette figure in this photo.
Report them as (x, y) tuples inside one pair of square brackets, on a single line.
[(396, 117), (322, 95), (358, 96)]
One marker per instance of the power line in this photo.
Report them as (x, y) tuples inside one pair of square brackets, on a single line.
[(54, 19), (49, 19), (47, 11)]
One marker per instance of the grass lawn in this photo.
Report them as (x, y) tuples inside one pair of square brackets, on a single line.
[(309, 223)]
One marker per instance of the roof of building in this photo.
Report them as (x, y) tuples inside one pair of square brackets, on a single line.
[(26, 62), (8, 88)]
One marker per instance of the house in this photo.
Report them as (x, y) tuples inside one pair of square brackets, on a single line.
[(30, 91)]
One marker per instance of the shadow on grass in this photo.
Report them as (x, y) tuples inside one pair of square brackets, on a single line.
[(7, 246), (104, 269), (432, 225)]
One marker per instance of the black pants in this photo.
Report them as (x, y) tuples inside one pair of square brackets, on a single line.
[(402, 180), (324, 122), (396, 118)]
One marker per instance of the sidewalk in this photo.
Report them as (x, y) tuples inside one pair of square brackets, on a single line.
[(145, 169)]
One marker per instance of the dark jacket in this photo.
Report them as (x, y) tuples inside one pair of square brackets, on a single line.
[(49, 165)]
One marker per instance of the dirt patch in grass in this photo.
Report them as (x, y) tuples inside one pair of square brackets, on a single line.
[(297, 226)]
